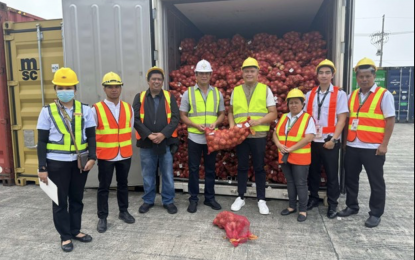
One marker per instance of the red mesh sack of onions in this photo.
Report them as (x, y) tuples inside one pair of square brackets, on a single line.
[(237, 227), (228, 138)]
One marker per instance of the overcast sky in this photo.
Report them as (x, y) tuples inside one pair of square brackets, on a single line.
[(399, 51)]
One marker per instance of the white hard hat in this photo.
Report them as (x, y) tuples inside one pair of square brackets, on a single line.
[(203, 66)]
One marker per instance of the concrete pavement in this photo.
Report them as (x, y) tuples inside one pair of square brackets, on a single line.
[(27, 231)]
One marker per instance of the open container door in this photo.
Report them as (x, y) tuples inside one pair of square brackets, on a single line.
[(103, 36)]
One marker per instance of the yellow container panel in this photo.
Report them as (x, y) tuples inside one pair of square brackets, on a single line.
[(25, 69)]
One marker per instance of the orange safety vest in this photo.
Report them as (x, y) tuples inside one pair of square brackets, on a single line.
[(112, 137), (167, 97), (371, 128), (297, 133), (331, 127)]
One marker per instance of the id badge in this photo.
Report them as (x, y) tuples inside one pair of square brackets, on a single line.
[(319, 132), (355, 124)]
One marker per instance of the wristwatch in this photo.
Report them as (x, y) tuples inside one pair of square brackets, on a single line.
[(335, 141)]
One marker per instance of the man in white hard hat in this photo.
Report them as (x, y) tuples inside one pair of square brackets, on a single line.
[(202, 107)]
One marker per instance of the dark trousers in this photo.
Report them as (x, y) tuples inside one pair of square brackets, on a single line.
[(296, 176), (256, 148), (71, 185), (330, 160), (105, 174), (355, 160), (195, 154)]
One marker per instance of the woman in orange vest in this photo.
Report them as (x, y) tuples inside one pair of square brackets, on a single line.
[(293, 136)]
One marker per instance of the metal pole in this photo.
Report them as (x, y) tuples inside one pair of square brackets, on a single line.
[(39, 46), (382, 42)]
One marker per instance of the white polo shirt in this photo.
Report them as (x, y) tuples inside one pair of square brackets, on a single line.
[(115, 110), (45, 123), (311, 128), (342, 107), (388, 108)]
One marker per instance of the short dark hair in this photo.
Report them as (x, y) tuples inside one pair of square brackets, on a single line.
[(366, 67), (154, 72), (300, 98), (54, 87), (332, 70)]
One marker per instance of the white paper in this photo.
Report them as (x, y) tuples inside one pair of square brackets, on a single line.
[(51, 190)]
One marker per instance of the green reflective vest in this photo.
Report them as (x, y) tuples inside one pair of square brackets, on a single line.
[(201, 112), (256, 109), (66, 146)]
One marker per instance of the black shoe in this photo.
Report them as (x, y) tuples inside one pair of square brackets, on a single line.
[(171, 208), (331, 214), (192, 209), (84, 239), (287, 212), (372, 222), (102, 225), (312, 203), (67, 248), (126, 217), (301, 218), (145, 208), (213, 204), (347, 212)]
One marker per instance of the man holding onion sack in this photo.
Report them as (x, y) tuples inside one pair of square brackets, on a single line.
[(255, 102), (202, 107)]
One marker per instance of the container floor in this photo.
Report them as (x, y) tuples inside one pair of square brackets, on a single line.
[(27, 230)]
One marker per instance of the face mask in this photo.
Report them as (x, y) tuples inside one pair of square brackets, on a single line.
[(65, 95)]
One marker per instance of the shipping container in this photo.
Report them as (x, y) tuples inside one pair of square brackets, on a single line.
[(33, 53), (129, 37), (6, 152), (20, 16), (400, 82), (380, 79)]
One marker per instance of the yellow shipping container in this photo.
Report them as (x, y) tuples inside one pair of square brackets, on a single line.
[(34, 51)]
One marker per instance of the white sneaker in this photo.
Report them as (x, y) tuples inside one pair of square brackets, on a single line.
[(263, 208), (238, 204)]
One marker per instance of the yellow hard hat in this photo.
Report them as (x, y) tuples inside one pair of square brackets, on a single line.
[(250, 62), (326, 63), (65, 77), (111, 79), (366, 62), (295, 93), (155, 68)]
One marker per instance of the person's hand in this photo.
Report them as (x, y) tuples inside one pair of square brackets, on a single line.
[(382, 150), (201, 128), (213, 126), (159, 138), (43, 176), (283, 148), (89, 165), (329, 145), (152, 137), (254, 123)]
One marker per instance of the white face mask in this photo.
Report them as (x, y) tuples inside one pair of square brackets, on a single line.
[(65, 95)]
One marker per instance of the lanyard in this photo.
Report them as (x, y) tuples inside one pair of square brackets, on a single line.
[(290, 126), (362, 103), (320, 104)]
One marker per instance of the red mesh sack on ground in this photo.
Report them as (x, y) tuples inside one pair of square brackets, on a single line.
[(228, 138), (237, 227)]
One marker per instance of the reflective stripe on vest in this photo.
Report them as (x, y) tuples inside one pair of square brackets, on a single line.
[(65, 146), (203, 112), (331, 126), (371, 128), (167, 97), (113, 137), (301, 156), (256, 109)]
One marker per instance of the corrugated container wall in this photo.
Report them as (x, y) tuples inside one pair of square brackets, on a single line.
[(400, 82), (6, 153)]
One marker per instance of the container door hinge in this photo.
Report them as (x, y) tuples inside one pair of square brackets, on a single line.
[(154, 13), (8, 38), (12, 84)]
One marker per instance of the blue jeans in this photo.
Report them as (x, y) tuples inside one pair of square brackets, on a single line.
[(149, 160)]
